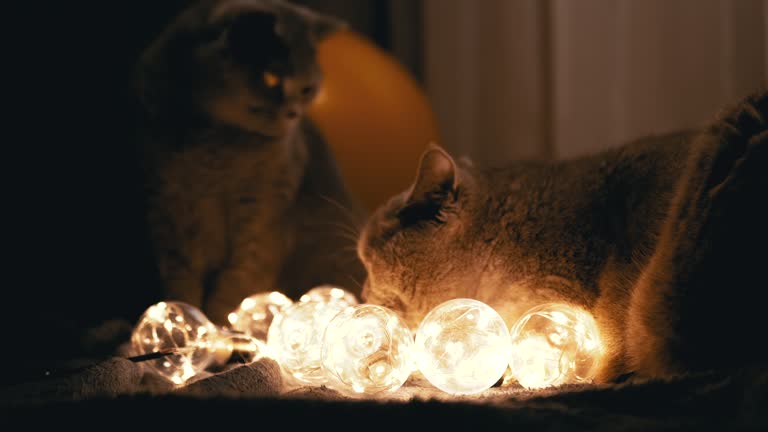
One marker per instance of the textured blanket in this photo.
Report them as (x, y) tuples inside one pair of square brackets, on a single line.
[(255, 394)]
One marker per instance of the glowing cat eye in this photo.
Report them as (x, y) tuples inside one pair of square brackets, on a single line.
[(554, 344), (270, 79)]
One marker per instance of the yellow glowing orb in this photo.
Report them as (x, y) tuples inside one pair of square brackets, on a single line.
[(178, 327), (367, 349), (555, 344), (462, 346), (296, 336), (374, 115), (329, 293), (255, 313)]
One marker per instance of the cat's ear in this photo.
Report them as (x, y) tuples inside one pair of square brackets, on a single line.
[(326, 25), (436, 179), (466, 160), (252, 38)]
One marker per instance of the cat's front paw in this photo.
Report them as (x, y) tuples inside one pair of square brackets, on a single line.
[(187, 290)]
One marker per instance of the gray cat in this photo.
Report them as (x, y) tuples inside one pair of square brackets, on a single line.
[(663, 240), (244, 195)]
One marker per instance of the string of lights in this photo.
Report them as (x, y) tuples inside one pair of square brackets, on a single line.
[(462, 346)]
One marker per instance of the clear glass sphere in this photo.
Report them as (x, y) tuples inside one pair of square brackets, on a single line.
[(329, 293), (462, 346), (555, 344), (255, 313), (296, 337), (236, 347), (179, 327), (367, 349)]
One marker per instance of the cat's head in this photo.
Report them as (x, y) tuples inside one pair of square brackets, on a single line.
[(514, 237), (250, 64), (421, 248)]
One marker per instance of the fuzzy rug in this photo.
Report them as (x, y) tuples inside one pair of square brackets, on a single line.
[(120, 390)]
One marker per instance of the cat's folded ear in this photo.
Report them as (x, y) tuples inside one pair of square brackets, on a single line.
[(325, 25), (436, 179), (253, 40)]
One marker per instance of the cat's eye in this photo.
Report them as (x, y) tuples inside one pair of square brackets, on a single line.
[(271, 80), (421, 214), (308, 90)]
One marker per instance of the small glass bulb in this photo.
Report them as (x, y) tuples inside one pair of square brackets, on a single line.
[(367, 349), (179, 327), (296, 336), (235, 347), (329, 293), (255, 313), (554, 344), (462, 346)]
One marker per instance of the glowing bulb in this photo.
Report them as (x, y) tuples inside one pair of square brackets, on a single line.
[(178, 327), (367, 349), (296, 336), (329, 293), (554, 344), (255, 313), (462, 346), (237, 347)]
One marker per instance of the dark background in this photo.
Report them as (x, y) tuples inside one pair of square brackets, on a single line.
[(78, 252)]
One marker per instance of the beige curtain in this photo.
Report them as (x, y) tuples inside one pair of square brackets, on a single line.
[(518, 79)]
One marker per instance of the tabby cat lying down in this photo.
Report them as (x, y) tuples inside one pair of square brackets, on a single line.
[(663, 240)]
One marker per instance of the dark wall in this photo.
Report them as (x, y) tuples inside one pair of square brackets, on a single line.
[(78, 243)]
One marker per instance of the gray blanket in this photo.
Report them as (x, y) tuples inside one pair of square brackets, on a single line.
[(120, 389)]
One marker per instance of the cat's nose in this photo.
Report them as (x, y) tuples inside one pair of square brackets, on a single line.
[(291, 111)]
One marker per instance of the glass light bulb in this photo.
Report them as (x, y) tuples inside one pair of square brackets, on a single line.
[(462, 346), (296, 336), (329, 293), (367, 349), (554, 344), (255, 313), (236, 347), (179, 327)]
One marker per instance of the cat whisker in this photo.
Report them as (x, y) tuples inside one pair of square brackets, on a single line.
[(348, 249), (354, 281), (351, 232), (346, 211), (350, 238), (344, 256)]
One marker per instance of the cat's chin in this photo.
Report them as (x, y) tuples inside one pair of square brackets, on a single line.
[(275, 130), (270, 133)]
